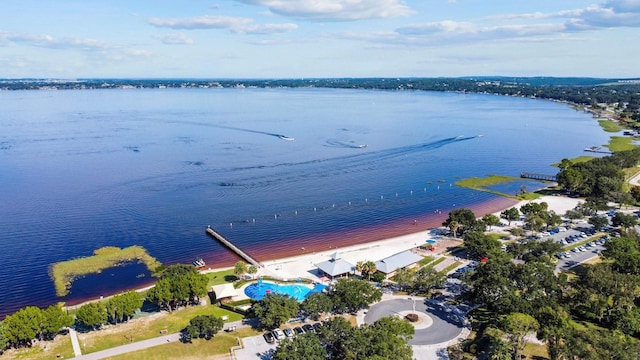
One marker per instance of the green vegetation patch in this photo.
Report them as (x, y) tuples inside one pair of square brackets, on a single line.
[(65, 272), (609, 125), (199, 349), (481, 184), (147, 328), (576, 160), (620, 143)]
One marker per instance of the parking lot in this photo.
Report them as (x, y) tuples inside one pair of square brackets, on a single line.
[(591, 244)]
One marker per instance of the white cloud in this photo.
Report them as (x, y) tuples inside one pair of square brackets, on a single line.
[(48, 41), (234, 24), (335, 10), (200, 22), (174, 39), (266, 29)]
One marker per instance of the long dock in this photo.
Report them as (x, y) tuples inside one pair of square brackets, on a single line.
[(526, 175), (233, 248)]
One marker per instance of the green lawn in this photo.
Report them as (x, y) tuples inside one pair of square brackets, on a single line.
[(578, 159), (221, 277), (59, 348), (609, 125), (198, 349), (147, 328), (620, 143)]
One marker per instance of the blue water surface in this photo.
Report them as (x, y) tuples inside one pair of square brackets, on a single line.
[(83, 169), (259, 290)]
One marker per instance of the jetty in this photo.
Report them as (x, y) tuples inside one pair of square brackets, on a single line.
[(233, 248), (534, 176), (597, 149)]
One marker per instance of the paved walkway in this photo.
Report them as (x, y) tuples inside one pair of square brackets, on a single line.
[(74, 342)]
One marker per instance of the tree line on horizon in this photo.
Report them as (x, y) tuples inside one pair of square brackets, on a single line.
[(582, 91)]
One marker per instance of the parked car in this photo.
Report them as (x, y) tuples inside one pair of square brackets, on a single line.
[(308, 328), (288, 332), (269, 338), (298, 330), (279, 334)]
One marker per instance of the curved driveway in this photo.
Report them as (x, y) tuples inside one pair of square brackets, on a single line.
[(448, 321)]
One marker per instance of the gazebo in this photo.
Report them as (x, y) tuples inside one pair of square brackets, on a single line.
[(335, 266)]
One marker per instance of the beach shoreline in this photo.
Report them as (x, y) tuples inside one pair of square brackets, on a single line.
[(302, 264)]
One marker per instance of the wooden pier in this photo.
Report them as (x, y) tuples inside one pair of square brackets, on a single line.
[(232, 247), (544, 177)]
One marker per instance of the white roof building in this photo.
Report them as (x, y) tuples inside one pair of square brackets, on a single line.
[(397, 261), (335, 266)]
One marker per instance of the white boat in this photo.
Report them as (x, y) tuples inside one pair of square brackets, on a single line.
[(199, 262), (283, 137)]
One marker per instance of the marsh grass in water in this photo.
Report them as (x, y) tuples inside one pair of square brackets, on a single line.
[(65, 272)]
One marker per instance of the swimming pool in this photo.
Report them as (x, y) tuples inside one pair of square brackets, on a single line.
[(258, 290)]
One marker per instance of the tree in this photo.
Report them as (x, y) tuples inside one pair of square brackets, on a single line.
[(428, 278), (625, 253), (121, 307), (353, 294), (240, 268), (305, 346), (490, 220), (517, 326), (54, 319), (480, 245), (179, 285), (203, 326), (92, 314), (465, 219), (598, 221), (387, 339), (252, 270), (511, 214), (3, 338), (275, 309), (624, 220), (366, 268), (316, 303), (23, 326), (404, 278)]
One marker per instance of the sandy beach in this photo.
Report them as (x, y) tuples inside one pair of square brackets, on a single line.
[(304, 266)]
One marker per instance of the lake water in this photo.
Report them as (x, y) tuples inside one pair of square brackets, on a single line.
[(80, 170)]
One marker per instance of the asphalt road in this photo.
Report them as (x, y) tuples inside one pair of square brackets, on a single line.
[(448, 321)]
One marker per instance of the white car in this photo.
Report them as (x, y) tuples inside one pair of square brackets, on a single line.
[(279, 334)]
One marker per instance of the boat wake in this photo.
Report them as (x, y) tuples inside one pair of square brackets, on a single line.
[(342, 144)]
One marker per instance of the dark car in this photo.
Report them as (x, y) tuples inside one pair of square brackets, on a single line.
[(288, 332), (308, 328), (269, 338), (317, 326), (298, 330)]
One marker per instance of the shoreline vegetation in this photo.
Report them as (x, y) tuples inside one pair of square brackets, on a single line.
[(482, 184), (65, 272)]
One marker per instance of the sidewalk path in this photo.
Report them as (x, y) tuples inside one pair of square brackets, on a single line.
[(74, 342)]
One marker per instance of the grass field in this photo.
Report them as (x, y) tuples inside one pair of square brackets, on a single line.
[(63, 273), (481, 184), (147, 327), (609, 125), (620, 143), (216, 348), (59, 348)]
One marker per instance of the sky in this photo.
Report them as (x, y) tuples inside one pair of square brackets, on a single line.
[(69, 39)]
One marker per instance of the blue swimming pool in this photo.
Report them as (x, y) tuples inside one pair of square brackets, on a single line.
[(258, 290)]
